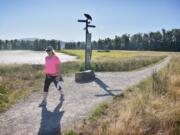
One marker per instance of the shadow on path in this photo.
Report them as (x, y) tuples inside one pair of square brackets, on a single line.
[(106, 88), (50, 121)]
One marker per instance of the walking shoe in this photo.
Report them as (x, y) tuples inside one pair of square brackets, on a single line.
[(43, 103)]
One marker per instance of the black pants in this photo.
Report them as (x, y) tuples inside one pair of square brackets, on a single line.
[(48, 80)]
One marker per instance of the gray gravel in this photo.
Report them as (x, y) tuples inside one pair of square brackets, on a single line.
[(26, 118)]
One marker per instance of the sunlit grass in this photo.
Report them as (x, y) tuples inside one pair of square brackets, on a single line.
[(114, 54), (117, 60)]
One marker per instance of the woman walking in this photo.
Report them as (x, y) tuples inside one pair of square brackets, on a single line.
[(52, 71)]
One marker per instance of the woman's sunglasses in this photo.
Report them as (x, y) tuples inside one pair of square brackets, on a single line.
[(48, 50)]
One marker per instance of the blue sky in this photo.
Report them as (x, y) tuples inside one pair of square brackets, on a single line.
[(57, 19)]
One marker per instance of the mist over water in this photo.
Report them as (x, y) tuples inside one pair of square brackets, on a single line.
[(29, 57)]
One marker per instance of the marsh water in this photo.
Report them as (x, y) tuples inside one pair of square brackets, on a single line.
[(29, 57)]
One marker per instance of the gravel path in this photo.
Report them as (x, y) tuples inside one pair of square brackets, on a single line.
[(26, 118)]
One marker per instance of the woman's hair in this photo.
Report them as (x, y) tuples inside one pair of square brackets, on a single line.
[(53, 52)]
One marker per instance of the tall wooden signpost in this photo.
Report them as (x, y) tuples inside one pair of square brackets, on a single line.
[(87, 74)]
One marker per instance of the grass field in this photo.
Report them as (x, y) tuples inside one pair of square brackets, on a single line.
[(109, 56), (150, 108), (117, 60)]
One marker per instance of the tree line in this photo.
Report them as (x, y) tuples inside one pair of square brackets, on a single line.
[(38, 44), (164, 40)]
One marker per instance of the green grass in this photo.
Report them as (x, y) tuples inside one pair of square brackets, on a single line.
[(70, 67), (98, 111), (71, 133), (126, 64)]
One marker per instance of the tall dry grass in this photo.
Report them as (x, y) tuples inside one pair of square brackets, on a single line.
[(150, 108), (17, 81)]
